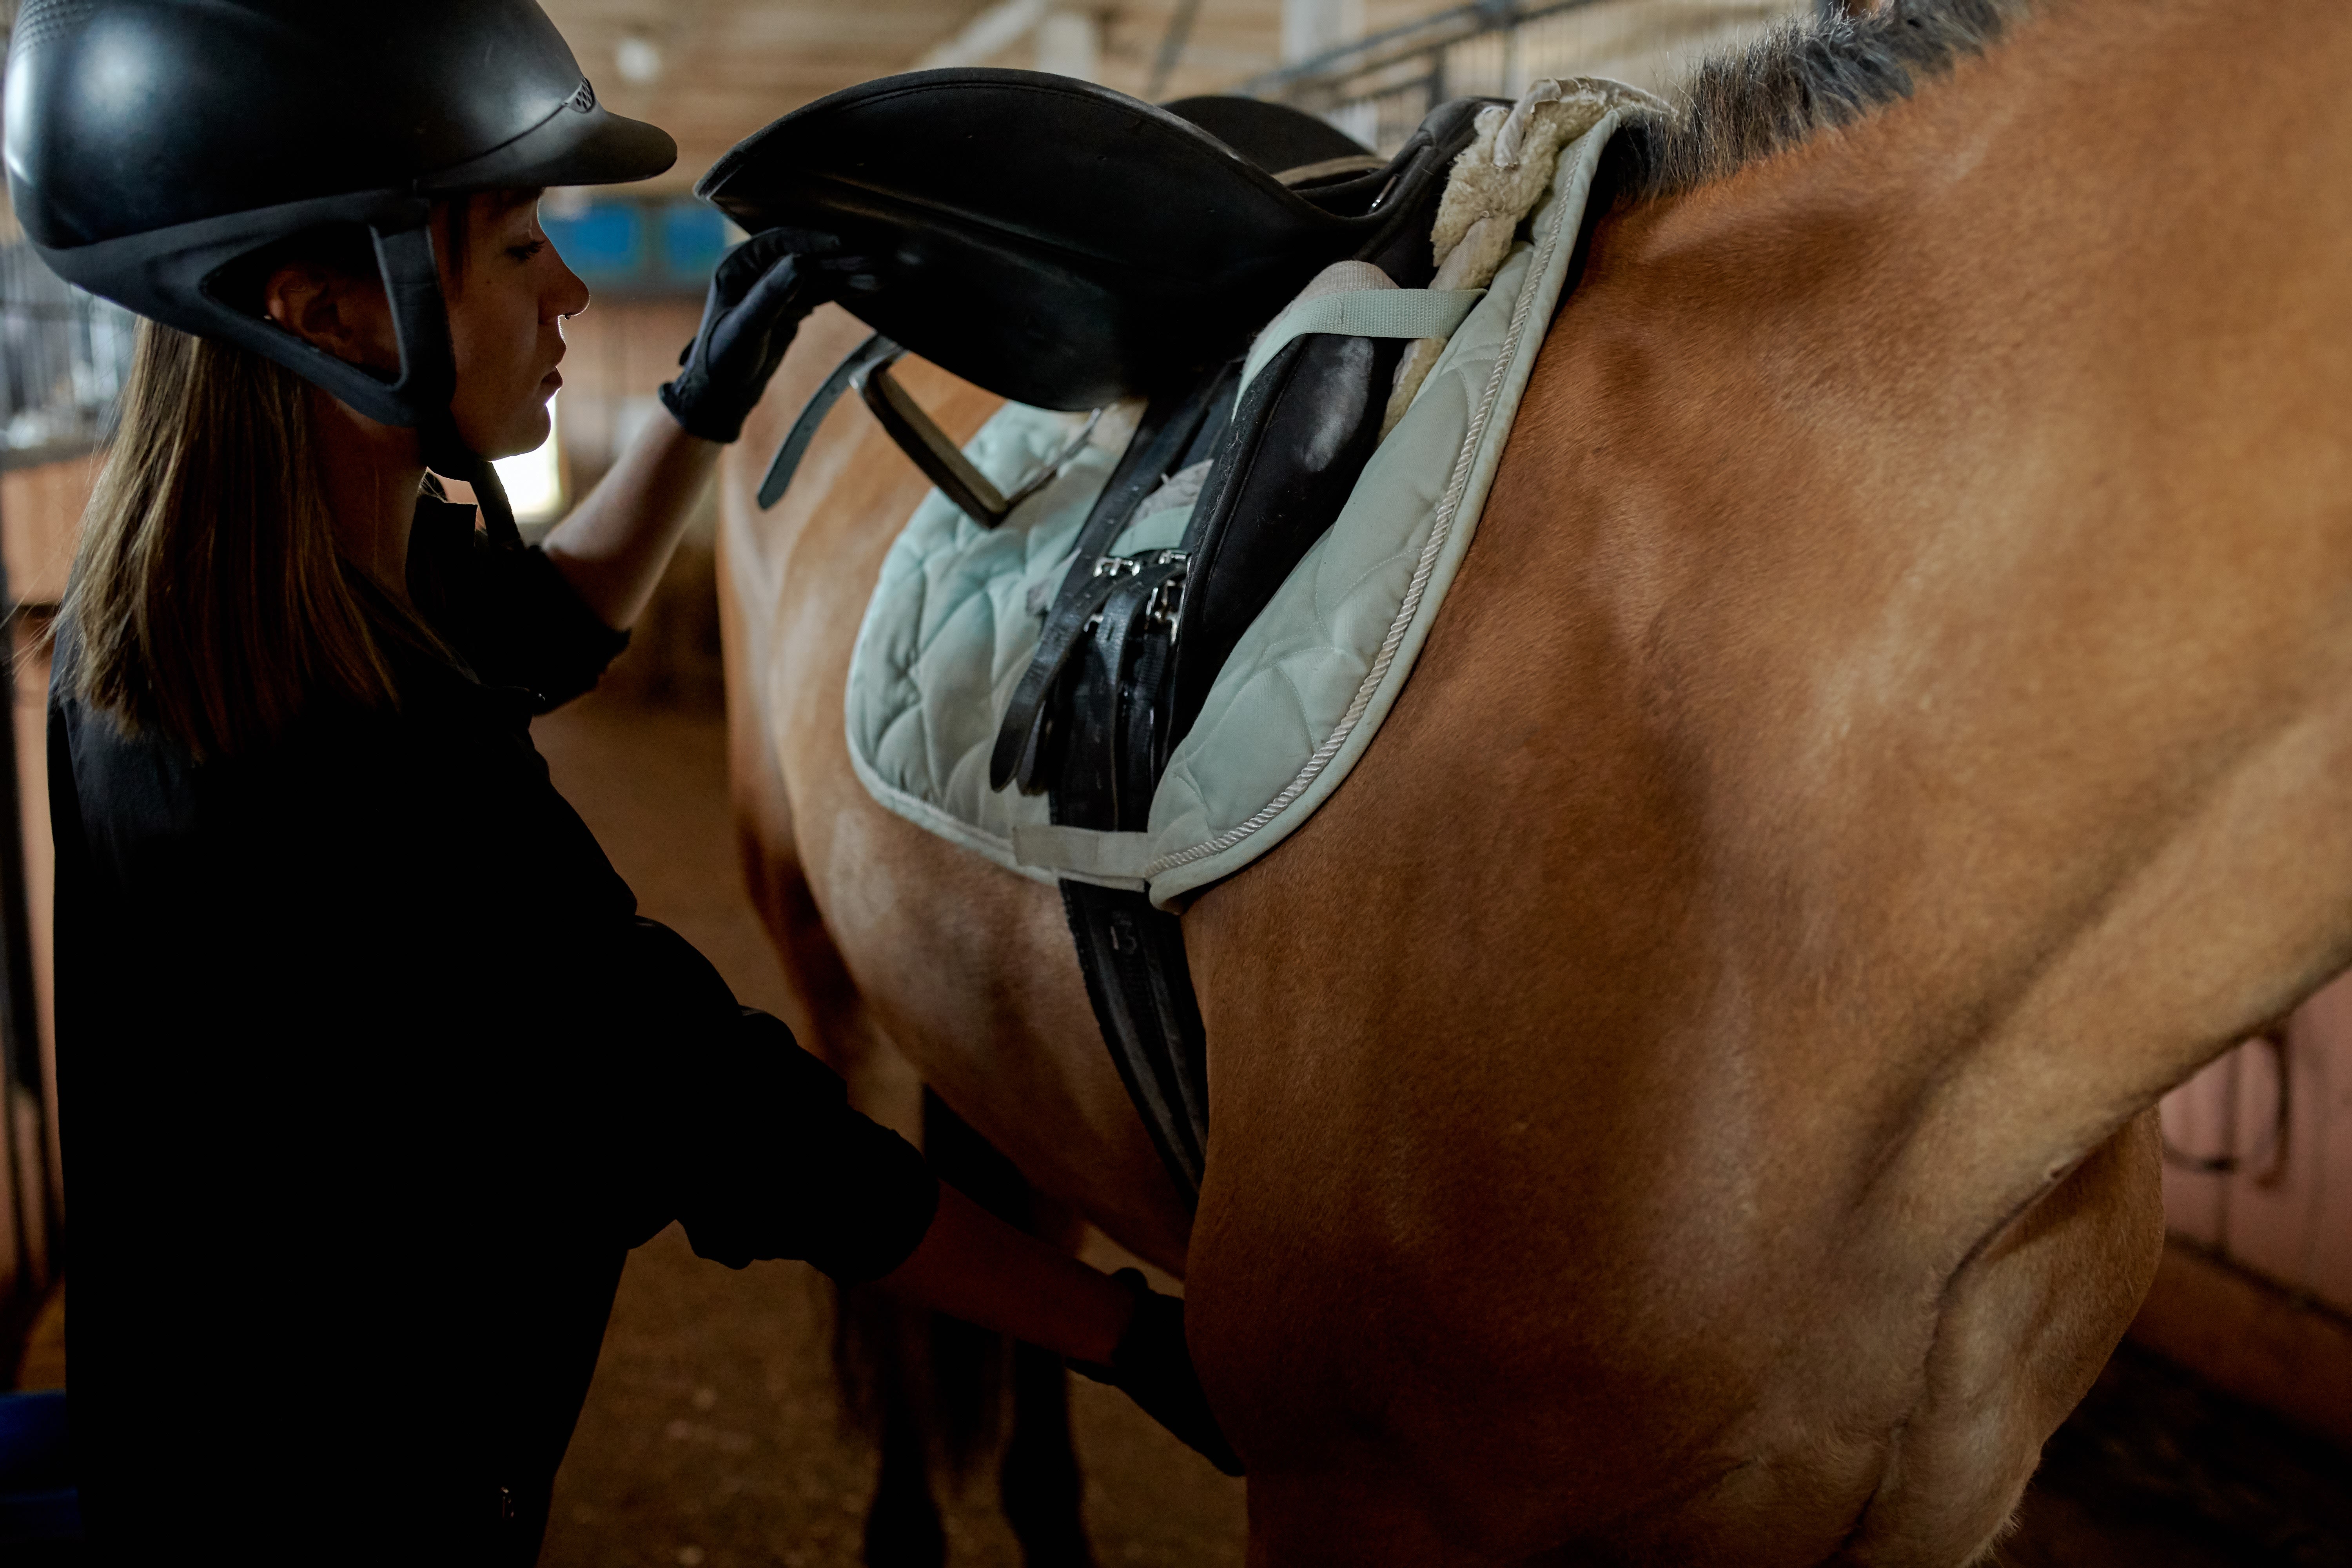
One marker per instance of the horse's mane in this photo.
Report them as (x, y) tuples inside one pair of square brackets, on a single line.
[(1801, 77)]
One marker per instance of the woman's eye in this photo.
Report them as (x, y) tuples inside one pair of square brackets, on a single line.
[(527, 251)]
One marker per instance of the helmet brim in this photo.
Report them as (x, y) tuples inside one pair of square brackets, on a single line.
[(569, 148)]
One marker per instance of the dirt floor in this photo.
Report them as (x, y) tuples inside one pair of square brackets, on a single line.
[(710, 1437)]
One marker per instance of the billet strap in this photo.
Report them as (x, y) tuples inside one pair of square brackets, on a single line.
[(1156, 451), (851, 371), (1021, 738), (1363, 313), (927, 447)]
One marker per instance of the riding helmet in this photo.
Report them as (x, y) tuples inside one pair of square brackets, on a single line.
[(153, 143)]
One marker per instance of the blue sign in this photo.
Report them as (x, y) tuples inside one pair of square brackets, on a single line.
[(694, 237), (633, 246), (605, 244)]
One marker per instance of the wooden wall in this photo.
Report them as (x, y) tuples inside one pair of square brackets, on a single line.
[(40, 509), (2256, 1293), (2261, 1154)]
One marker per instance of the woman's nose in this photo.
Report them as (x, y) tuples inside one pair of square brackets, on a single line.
[(569, 297)]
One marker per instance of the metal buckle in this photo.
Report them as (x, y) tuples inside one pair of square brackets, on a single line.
[(1168, 598), (1167, 595)]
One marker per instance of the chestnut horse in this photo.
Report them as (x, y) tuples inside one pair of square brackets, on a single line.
[(1688, 1098)]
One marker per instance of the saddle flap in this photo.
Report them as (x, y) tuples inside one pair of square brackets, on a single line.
[(1054, 242)]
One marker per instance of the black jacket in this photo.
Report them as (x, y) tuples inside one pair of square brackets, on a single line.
[(369, 1075)]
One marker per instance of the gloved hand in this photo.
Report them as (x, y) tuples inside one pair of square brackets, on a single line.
[(1152, 1367), (758, 297)]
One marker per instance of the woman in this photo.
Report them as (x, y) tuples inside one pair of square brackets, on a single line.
[(369, 1075)]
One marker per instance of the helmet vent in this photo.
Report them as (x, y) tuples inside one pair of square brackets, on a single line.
[(41, 20), (584, 99)]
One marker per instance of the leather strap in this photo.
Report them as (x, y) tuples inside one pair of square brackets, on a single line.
[(942, 461), (1168, 434), (1072, 615), (1133, 955), (875, 350), (1141, 988)]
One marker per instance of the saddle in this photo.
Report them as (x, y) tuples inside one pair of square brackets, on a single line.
[(1066, 247)]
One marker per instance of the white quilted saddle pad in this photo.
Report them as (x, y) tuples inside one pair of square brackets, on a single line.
[(958, 609)]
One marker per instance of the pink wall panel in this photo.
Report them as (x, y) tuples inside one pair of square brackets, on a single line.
[(2259, 1152)]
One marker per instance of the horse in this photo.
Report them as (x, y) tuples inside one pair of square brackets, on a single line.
[(1689, 1096)]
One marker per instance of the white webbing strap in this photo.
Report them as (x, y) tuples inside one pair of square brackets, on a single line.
[(1363, 313)]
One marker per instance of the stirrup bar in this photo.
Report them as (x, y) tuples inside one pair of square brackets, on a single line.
[(867, 370), (943, 462)]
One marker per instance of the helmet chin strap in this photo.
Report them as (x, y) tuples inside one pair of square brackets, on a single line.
[(447, 455), (428, 379)]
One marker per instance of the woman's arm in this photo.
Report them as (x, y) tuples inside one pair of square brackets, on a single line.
[(617, 544), (974, 1266), (1115, 1330)]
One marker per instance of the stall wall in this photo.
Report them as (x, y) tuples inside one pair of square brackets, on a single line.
[(2255, 1292), (2259, 1154)]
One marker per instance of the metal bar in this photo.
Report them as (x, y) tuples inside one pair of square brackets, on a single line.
[(1403, 42), (1171, 48), (941, 462)]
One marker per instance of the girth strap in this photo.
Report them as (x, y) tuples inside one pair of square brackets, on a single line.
[(1133, 956)]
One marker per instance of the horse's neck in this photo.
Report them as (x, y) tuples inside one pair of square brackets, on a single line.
[(1950, 515)]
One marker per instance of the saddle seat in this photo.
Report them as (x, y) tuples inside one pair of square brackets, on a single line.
[(1056, 242)]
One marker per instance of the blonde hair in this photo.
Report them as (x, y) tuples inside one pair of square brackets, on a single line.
[(208, 597)]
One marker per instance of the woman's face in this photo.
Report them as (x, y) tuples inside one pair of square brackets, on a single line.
[(506, 324), (507, 304)]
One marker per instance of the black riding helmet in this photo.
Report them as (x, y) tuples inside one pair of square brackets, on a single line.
[(151, 144)]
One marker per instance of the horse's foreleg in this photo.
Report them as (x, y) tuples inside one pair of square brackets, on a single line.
[(1039, 1484), (877, 1365)]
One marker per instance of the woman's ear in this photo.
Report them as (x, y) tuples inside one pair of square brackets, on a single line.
[(350, 320)]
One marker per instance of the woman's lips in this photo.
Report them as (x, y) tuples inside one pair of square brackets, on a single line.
[(552, 381)]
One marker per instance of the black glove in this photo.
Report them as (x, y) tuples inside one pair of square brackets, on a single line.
[(1152, 1367), (757, 299)]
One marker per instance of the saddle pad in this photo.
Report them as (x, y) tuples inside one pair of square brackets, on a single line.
[(956, 613)]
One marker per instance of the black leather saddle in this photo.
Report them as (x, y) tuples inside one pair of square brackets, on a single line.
[(1056, 242), (1065, 246)]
